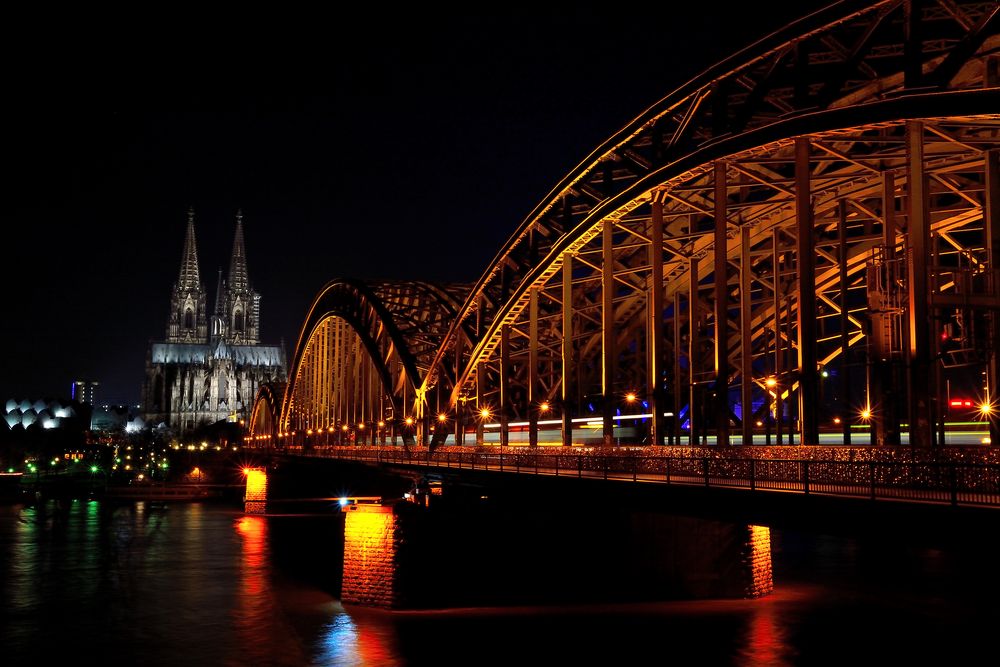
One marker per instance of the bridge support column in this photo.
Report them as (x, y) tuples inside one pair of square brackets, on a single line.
[(608, 332), (654, 306), (992, 224), (533, 389), (567, 350), (845, 340), (255, 496), (806, 287), (503, 408), (675, 431), (721, 278), (779, 339), (918, 233), (881, 400), (694, 361), (746, 341)]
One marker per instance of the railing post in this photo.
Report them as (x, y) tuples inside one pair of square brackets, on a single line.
[(635, 468), (954, 484), (805, 477), (704, 464), (753, 474), (579, 466), (669, 459), (501, 458), (871, 475)]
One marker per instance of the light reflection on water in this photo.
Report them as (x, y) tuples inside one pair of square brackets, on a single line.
[(197, 584)]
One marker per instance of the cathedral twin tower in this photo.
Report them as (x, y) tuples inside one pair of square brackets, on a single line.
[(208, 369)]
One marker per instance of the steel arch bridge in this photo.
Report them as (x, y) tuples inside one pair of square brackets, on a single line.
[(809, 229)]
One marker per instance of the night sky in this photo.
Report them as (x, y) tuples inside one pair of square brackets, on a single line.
[(385, 144)]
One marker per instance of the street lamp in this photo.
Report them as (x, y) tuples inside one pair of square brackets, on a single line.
[(771, 383)]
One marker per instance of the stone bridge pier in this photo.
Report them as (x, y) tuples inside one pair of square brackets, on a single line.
[(404, 555)]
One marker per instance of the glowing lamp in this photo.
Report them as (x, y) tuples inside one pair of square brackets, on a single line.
[(770, 383), (544, 407), (630, 397), (343, 427), (442, 417), (409, 421), (485, 413)]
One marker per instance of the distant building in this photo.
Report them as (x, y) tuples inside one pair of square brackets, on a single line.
[(84, 391), (208, 368), (45, 413), (116, 417)]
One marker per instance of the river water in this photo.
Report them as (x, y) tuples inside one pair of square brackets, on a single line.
[(89, 582)]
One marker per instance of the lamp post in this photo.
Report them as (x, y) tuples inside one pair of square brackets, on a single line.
[(771, 384), (630, 399)]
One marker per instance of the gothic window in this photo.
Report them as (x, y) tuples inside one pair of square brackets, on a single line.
[(188, 319), (238, 320)]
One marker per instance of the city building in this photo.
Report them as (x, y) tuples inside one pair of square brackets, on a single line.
[(209, 367), (84, 391)]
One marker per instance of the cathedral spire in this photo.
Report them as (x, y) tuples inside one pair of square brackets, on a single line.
[(220, 302), (187, 322), (238, 279), (190, 278)]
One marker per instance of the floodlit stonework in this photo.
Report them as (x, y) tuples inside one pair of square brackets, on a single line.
[(208, 369)]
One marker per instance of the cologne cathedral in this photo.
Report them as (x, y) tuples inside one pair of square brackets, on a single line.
[(209, 367)]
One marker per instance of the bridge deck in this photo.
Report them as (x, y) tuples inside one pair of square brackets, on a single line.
[(969, 477)]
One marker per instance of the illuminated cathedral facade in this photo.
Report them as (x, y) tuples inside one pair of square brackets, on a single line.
[(209, 366)]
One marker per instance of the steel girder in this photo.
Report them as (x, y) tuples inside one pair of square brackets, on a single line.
[(266, 412), (837, 80), (363, 352), (787, 211)]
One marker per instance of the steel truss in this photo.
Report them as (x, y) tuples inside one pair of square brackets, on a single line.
[(824, 203)]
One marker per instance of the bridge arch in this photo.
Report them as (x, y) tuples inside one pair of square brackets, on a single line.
[(883, 111), (817, 202), (360, 359), (264, 418)]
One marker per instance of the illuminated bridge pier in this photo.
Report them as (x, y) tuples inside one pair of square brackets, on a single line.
[(468, 546), (400, 555), (803, 240)]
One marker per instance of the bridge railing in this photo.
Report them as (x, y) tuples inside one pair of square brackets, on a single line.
[(950, 482)]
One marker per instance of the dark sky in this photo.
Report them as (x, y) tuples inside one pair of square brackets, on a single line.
[(386, 143)]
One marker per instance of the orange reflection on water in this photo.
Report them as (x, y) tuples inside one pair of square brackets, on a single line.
[(253, 531)]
